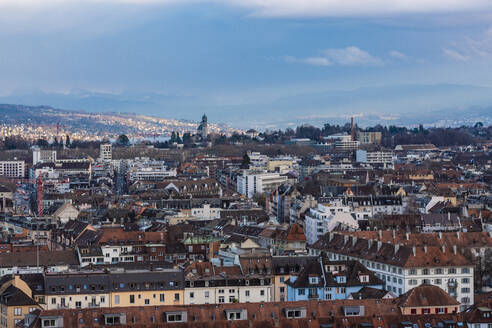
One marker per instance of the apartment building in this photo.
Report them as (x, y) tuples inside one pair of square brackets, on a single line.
[(106, 152), (255, 181), (330, 280), (402, 267), (374, 157), (369, 137), (325, 218), (43, 156), (101, 289), (210, 284), (15, 301), (13, 169)]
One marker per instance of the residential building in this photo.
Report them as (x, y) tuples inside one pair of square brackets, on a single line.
[(106, 151), (325, 218), (15, 302), (374, 157), (13, 169), (403, 267), (43, 156), (253, 182), (330, 280), (369, 137)]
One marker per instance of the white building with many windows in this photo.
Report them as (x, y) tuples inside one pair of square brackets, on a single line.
[(403, 267), (12, 169), (325, 218), (258, 181)]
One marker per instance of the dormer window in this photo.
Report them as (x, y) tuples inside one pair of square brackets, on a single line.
[(313, 280), (364, 278)]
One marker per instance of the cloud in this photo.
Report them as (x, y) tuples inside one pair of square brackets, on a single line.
[(455, 55), (397, 54), (349, 56), (298, 8), (477, 47)]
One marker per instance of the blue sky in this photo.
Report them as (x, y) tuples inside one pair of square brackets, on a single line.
[(249, 62)]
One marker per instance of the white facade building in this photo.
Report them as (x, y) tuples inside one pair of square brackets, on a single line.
[(325, 218), (374, 157), (106, 152), (252, 182), (43, 156), (12, 169)]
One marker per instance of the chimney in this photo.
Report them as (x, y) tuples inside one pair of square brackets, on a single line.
[(414, 251), (407, 235), (397, 248), (345, 239), (440, 235), (369, 243), (352, 128), (449, 216), (394, 234), (443, 248), (425, 249), (330, 236), (380, 243), (380, 234), (354, 241), (454, 249), (458, 234)]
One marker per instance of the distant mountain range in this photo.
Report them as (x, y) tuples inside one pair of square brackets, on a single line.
[(438, 105)]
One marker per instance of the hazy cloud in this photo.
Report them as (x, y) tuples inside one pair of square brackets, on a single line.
[(471, 47), (298, 8), (350, 56), (398, 55)]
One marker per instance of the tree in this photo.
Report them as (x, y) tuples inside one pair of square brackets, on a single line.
[(246, 160), (42, 142), (67, 141), (123, 140)]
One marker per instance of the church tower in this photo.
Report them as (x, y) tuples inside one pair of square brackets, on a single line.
[(203, 127)]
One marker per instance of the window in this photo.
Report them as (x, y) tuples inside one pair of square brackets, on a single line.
[(78, 304), (412, 282), (132, 299), (438, 271), (53, 300), (246, 293), (437, 281), (207, 294), (465, 280), (103, 299), (147, 301), (221, 299), (262, 292), (282, 279), (192, 295), (452, 270), (293, 314), (465, 290), (465, 270), (412, 271), (282, 289), (221, 291), (174, 318), (231, 291), (425, 271), (49, 323), (116, 299), (161, 297), (176, 297), (17, 311), (300, 291)]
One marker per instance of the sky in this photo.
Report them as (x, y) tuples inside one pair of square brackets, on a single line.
[(260, 63)]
